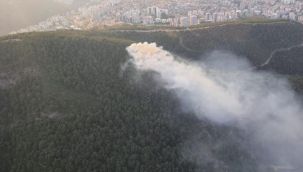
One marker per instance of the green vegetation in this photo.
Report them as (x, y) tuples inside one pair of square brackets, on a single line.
[(251, 20), (251, 38), (67, 105), (297, 82)]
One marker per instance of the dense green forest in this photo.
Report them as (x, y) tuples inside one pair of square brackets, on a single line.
[(67, 105)]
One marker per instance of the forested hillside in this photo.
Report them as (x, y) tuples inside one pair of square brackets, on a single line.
[(68, 104)]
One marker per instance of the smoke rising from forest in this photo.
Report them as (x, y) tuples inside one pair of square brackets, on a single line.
[(226, 90)]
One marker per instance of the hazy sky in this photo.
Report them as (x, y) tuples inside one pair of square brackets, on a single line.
[(16, 14)]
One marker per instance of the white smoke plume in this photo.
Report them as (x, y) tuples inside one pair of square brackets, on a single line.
[(226, 90)]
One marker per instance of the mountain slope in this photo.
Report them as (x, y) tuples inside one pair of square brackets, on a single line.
[(66, 103)]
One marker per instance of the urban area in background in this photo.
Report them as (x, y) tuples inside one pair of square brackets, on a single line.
[(177, 13)]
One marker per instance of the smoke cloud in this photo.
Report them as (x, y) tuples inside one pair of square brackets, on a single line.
[(227, 90)]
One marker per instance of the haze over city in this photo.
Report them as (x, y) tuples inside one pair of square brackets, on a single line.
[(22, 16)]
